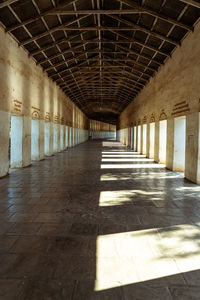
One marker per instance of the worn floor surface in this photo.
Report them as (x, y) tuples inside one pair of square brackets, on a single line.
[(99, 222)]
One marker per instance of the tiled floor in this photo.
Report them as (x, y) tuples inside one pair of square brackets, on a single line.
[(99, 222)]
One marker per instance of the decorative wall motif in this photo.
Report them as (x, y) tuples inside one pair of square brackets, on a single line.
[(144, 120), (35, 112), (62, 121), (17, 106), (152, 119), (47, 117), (163, 115), (180, 108), (139, 122), (56, 119)]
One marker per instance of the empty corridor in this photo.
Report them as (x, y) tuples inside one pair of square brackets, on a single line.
[(99, 222)]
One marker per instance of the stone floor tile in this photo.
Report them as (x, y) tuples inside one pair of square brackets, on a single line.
[(26, 228), (71, 229), (12, 289), (48, 289)]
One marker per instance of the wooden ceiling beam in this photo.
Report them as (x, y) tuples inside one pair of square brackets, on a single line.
[(8, 2), (97, 12), (158, 15), (54, 44), (106, 72), (134, 62), (82, 69), (101, 66), (109, 77), (133, 40), (143, 29), (131, 51), (191, 2), (111, 86), (45, 13), (71, 49), (52, 30)]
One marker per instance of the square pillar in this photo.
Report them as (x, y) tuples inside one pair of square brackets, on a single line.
[(135, 138), (62, 137), (20, 142), (162, 141), (151, 140), (48, 138), (148, 140), (56, 138), (179, 144), (66, 137), (170, 144), (192, 157), (70, 136), (4, 142), (131, 137), (37, 140), (138, 142), (156, 142), (144, 139)]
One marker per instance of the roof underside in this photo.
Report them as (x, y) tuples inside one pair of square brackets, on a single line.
[(100, 52)]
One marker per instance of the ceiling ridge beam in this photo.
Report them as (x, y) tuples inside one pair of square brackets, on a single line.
[(104, 72)]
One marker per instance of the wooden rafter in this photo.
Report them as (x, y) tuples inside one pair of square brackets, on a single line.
[(156, 14), (101, 55), (6, 3)]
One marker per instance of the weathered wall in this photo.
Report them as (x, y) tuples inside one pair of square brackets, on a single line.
[(101, 126), (173, 91), (101, 130), (27, 90)]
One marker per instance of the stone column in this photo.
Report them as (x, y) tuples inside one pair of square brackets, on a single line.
[(141, 142), (56, 138), (192, 158), (66, 137), (144, 139), (135, 138), (170, 144), (148, 140), (37, 140), (156, 146), (4, 142), (62, 137), (70, 137), (48, 138)]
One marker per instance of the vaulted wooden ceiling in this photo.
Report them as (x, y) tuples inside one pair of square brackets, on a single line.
[(100, 52)]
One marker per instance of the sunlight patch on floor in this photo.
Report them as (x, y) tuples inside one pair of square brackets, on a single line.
[(124, 155), (126, 159), (128, 176), (113, 198), (132, 166), (132, 257), (119, 152)]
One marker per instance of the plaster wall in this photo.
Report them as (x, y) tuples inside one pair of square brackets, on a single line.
[(27, 90), (173, 91)]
